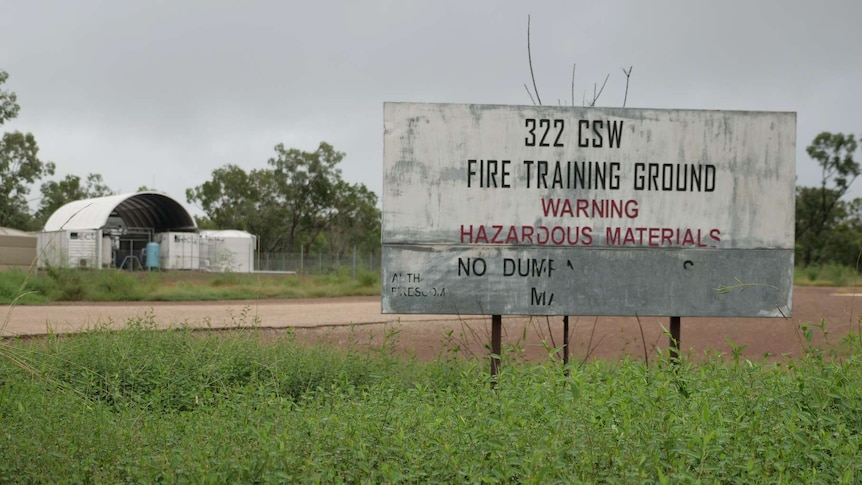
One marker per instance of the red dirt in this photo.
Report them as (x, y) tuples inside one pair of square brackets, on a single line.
[(357, 322)]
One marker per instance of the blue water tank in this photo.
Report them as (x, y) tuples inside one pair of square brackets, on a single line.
[(152, 255)]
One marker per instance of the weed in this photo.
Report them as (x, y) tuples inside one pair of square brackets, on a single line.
[(68, 284), (826, 275), (144, 405)]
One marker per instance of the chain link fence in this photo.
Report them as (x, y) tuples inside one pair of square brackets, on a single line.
[(318, 262)]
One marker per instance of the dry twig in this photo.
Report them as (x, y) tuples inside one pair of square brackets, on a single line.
[(628, 76), (530, 60)]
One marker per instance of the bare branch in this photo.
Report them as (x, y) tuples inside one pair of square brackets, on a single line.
[(550, 332), (530, 60), (596, 96), (590, 346), (628, 76), (597, 91), (641, 327), (530, 94)]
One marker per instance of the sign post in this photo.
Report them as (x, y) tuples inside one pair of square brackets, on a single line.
[(532, 210), (675, 335)]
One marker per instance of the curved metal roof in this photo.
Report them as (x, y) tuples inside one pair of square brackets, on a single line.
[(142, 209)]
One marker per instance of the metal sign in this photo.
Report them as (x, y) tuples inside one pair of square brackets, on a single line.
[(587, 211)]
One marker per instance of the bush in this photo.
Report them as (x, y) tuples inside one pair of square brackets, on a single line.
[(826, 275), (67, 284), (143, 405)]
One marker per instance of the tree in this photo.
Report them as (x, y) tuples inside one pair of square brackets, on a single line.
[(820, 211), (306, 184), (357, 221), (57, 194), (229, 199), (236, 199), (20, 166), (299, 200)]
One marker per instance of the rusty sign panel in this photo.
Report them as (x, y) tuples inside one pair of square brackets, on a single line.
[(587, 211)]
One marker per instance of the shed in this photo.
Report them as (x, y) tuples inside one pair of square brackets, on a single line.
[(17, 249), (113, 231), (228, 250)]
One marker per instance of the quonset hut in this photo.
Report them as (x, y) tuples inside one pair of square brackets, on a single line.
[(118, 230)]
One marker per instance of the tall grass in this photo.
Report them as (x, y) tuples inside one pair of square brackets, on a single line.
[(181, 406), (141, 405), (64, 284), (826, 275)]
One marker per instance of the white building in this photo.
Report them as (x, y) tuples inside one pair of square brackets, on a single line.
[(115, 231), (17, 249), (227, 251)]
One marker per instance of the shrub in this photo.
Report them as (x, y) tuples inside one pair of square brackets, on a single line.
[(145, 405)]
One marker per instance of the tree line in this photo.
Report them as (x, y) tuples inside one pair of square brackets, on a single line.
[(300, 201), (297, 203)]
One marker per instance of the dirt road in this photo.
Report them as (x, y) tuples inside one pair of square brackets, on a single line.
[(357, 321)]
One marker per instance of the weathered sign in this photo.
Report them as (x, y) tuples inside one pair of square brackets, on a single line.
[(587, 211)]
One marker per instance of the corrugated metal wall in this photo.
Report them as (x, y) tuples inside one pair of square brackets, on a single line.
[(17, 251), (68, 249)]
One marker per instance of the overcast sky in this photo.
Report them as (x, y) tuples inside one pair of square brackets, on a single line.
[(161, 93)]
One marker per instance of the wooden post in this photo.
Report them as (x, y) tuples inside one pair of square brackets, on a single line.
[(675, 325), (496, 346), (566, 344)]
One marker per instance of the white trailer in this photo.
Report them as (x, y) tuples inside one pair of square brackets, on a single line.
[(72, 249), (179, 250)]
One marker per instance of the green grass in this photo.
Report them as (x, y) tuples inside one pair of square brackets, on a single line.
[(182, 406), (59, 284), (179, 406), (826, 275)]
